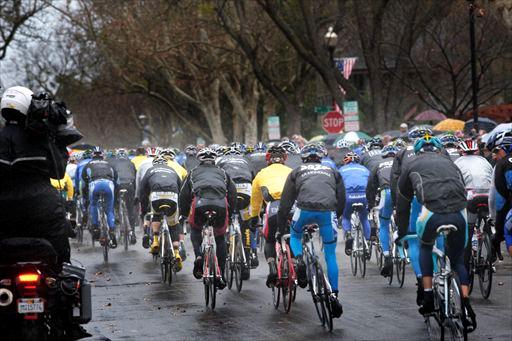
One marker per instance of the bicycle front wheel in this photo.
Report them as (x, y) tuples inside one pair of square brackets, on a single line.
[(362, 255), (484, 266), (324, 294)]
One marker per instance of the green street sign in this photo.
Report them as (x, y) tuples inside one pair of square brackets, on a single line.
[(323, 109)]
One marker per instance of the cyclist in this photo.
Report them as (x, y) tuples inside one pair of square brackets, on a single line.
[(159, 195), (326, 160), (320, 197), (99, 178), (477, 173), (372, 158), (126, 174), (237, 167), (355, 177), (140, 156), (191, 161), (379, 180), (267, 187), (439, 187), (293, 160), (257, 158), (64, 186), (208, 188), (401, 161), (450, 143), (141, 171), (501, 147), (71, 167), (169, 155)]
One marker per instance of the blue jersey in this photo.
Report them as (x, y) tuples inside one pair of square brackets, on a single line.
[(180, 158), (78, 174), (355, 177), (327, 161)]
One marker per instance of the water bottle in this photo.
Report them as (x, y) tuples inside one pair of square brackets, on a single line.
[(474, 242)]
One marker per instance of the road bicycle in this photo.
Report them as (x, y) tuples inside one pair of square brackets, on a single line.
[(318, 283), (286, 283), (166, 253), (236, 260), (124, 221), (398, 253), (211, 269), (360, 248), (449, 313), (480, 261), (104, 229)]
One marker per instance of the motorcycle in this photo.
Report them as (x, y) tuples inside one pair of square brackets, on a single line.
[(37, 301)]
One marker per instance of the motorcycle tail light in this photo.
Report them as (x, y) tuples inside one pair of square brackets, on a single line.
[(28, 278)]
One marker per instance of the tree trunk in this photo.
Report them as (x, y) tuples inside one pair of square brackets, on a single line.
[(238, 129), (293, 120)]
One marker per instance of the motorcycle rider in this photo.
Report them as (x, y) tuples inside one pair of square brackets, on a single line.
[(31, 207)]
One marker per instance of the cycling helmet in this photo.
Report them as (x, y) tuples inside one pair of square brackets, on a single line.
[(17, 98), (501, 140), (152, 151), (191, 150), (399, 143), (449, 140), (97, 152), (375, 143), (351, 157), (290, 147), (167, 153), (427, 143), (249, 149), (312, 152), (207, 155), (260, 147), (389, 150), (468, 146), (343, 144), (232, 151), (418, 132), (275, 154), (159, 160), (121, 153)]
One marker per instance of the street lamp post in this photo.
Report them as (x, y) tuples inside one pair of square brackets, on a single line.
[(474, 79), (330, 41)]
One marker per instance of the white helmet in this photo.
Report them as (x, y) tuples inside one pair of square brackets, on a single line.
[(17, 98)]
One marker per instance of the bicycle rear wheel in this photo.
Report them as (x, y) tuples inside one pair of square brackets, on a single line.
[(239, 263), (213, 276), (229, 272), (471, 271), (324, 294), (126, 227), (287, 287), (484, 266), (313, 289), (379, 256), (362, 255), (276, 295), (400, 271), (207, 281), (457, 316)]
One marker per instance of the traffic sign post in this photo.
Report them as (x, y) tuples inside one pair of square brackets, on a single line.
[(333, 122)]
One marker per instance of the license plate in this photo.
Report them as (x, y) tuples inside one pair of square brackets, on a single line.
[(30, 305)]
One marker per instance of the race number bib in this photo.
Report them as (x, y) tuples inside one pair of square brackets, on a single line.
[(244, 188), (154, 196)]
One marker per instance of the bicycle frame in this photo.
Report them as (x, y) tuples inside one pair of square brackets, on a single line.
[(208, 246), (234, 230)]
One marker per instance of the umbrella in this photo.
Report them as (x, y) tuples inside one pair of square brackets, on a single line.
[(449, 125), (352, 136), (422, 126), (392, 133), (499, 128), (484, 123), (430, 115)]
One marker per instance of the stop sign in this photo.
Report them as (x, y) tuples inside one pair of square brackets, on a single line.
[(333, 122)]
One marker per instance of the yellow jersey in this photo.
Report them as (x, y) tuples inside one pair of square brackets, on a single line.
[(182, 172), (137, 160), (64, 185), (273, 178)]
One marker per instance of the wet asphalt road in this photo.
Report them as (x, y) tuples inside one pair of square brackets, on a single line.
[(130, 303)]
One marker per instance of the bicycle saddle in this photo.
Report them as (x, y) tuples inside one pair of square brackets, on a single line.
[(311, 227), (357, 206)]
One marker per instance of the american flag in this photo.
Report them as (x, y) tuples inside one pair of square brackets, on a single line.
[(345, 65)]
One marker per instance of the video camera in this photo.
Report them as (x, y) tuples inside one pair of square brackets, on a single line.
[(47, 117)]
